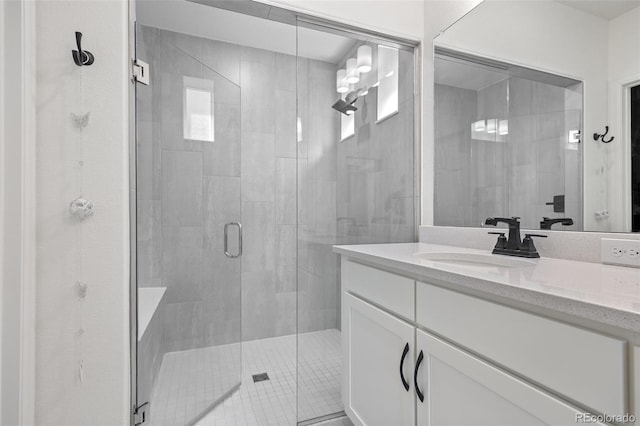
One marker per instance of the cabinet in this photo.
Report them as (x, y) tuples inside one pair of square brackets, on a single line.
[(460, 389), (377, 347), (478, 362)]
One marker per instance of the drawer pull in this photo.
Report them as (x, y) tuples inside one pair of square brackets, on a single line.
[(415, 376), (404, 355)]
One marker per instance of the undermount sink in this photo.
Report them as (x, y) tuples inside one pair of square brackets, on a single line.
[(477, 260)]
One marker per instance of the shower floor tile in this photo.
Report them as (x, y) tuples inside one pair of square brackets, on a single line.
[(269, 402)]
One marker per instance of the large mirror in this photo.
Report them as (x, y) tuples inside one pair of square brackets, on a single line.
[(537, 115)]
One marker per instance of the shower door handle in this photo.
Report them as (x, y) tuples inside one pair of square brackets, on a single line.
[(226, 239)]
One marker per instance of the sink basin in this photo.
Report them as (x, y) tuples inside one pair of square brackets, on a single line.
[(476, 260)]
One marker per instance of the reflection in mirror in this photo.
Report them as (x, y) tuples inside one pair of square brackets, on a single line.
[(503, 145), (521, 90)]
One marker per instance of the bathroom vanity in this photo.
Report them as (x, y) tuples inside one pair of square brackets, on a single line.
[(436, 335)]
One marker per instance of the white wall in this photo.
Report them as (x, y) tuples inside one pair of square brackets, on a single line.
[(624, 68), (402, 18), (103, 396)]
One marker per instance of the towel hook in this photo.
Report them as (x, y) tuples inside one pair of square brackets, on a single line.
[(81, 57), (597, 136)]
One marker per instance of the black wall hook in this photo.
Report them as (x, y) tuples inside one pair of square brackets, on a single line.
[(81, 57), (597, 136)]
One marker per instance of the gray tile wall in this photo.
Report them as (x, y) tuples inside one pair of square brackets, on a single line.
[(476, 179), (190, 189), (375, 183), (294, 198), (317, 268)]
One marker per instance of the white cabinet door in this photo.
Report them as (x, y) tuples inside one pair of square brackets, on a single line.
[(460, 389), (377, 390)]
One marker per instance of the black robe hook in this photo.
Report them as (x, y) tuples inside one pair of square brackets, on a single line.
[(597, 136), (81, 57)]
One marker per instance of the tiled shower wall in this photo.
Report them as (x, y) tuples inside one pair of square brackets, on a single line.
[(376, 194), (476, 179), (318, 281), (248, 173)]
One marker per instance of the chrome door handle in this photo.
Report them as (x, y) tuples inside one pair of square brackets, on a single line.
[(226, 239)]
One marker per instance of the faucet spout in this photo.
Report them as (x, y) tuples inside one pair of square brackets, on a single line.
[(514, 242)]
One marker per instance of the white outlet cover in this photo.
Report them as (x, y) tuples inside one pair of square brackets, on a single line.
[(620, 252)]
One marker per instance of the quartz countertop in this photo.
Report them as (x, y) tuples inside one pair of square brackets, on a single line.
[(603, 293)]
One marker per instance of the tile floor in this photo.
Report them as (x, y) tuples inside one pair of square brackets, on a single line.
[(190, 381)]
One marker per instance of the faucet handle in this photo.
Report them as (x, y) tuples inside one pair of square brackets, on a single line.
[(528, 246), (535, 235), (502, 240)]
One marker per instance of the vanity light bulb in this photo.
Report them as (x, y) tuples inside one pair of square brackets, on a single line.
[(503, 127), (353, 76), (364, 59), (341, 81), (492, 125), (479, 126)]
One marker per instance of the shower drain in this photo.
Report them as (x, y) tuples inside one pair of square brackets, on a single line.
[(260, 377)]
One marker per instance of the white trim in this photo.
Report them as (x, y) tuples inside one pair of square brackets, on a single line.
[(625, 118), (2, 180), (17, 219), (28, 332)]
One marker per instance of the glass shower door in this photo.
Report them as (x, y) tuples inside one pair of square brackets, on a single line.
[(189, 239)]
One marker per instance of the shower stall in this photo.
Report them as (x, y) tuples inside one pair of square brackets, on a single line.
[(245, 179)]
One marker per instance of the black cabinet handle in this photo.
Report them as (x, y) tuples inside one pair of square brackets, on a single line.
[(415, 376), (404, 355)]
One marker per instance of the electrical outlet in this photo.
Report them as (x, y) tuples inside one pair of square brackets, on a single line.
[(620, 252)]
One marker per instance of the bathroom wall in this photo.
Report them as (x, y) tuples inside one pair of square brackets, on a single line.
[(317, 189), (624, 63), (376, 169), (248, 173), (100, 395)]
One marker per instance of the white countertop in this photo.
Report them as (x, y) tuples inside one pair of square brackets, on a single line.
[(603, 293)]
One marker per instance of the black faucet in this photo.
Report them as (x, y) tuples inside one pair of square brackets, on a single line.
[(513, 246), (547, 223), (513, 243)]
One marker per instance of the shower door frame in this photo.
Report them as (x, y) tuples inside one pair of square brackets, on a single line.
[(292, 17)]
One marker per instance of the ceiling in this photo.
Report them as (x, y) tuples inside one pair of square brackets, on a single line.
[(605, 9), (218, 24)]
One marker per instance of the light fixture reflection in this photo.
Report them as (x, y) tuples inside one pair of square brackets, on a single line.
[(353, 76), (364, 59), (479, 126), (492, 125), (503, 127), (341, 81)]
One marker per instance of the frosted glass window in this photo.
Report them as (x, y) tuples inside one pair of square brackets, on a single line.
[(388, 78), (198, 109), (347, 126)]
